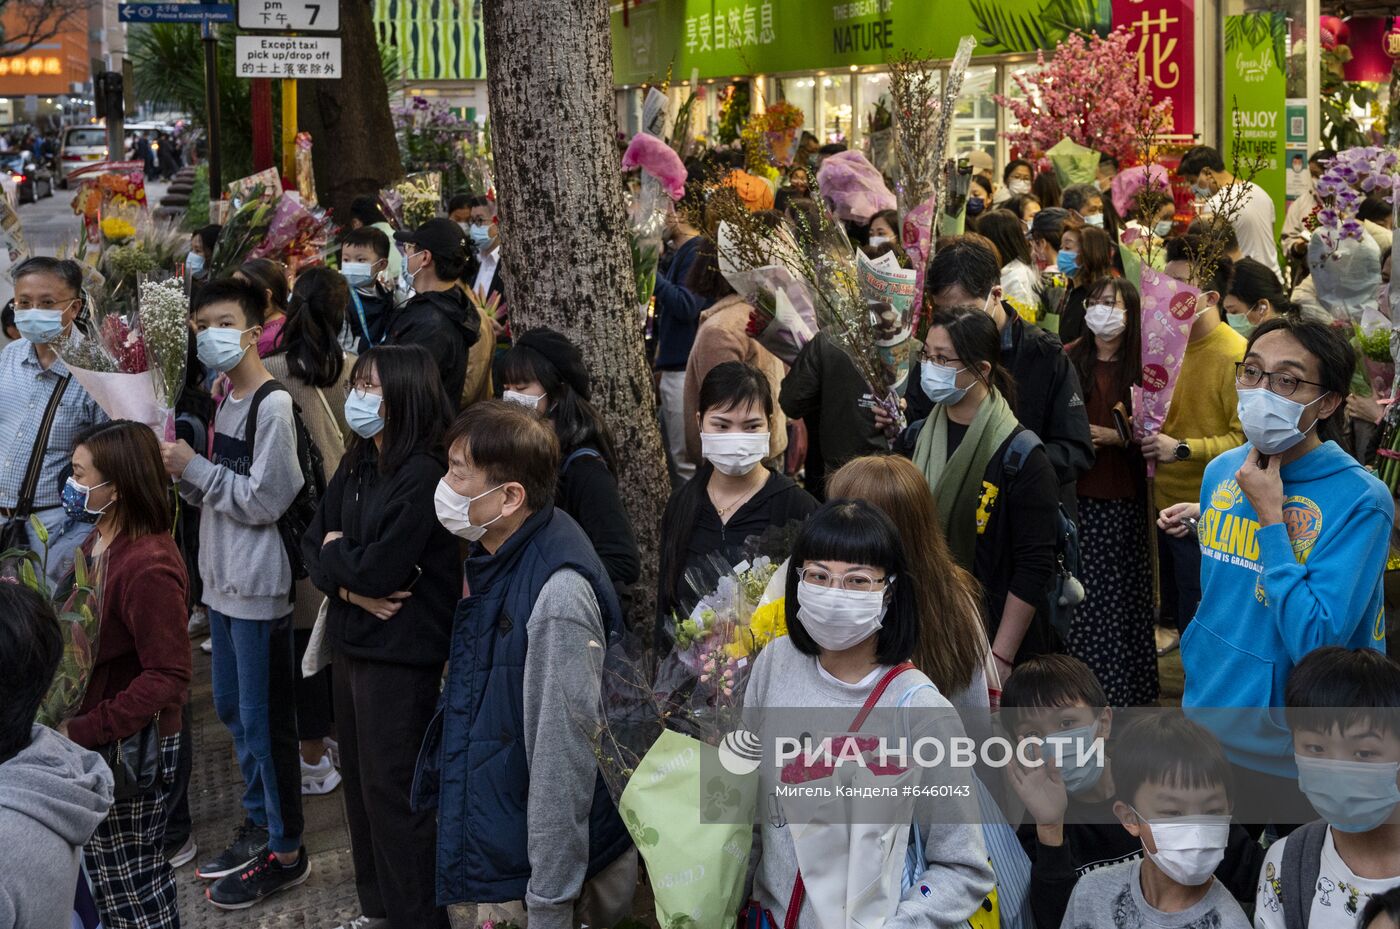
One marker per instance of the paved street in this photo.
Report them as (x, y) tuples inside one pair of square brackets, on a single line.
[(51, 222)]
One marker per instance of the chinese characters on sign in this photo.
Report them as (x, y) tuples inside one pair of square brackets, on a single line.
[(33, 65), (741, 26), (289, 15), (287, 56), (1165, 31)]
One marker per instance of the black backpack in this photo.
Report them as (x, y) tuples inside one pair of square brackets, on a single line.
[(1066, 591), (292, 524), (1302, 863)]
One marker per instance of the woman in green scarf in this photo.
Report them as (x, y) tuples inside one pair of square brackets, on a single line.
[(1000, 522)]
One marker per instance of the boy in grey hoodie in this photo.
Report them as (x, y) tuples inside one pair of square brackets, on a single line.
[(53, 794), (243, 489)]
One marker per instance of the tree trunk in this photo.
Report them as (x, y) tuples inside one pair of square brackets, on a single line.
[(567, 261), (354, 151)]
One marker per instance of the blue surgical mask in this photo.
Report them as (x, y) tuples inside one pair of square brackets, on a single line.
[(75, 501), (1163, 228), (1270, 422), (221, 349), (194, 262), (357, 273), (1080, 766), (1354, 796), (39, 326), (975, 205), (1095, 220), (362, 413), (1201, 192), (940, 382), (1067, 262), (481, 236)]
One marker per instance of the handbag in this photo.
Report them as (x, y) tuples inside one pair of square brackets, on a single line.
[(14, 532), (135, 762)]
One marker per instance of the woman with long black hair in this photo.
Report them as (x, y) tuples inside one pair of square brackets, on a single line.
[(1112, 629), (544, 371), (1086, 259), (393, 577)]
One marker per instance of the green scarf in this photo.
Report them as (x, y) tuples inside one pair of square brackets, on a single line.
[(957, 481)]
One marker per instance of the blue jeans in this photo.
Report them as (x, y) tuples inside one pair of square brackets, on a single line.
[(255, 697), (1179, 563)]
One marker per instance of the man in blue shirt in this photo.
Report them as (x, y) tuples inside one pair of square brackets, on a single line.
[(48, 298)]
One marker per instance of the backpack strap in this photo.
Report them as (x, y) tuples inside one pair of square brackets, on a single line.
[(584, 452), (1302, 862), (30, 485), (250, 428), (1022, 443)]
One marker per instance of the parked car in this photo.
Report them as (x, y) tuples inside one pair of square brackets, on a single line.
[(81, 145), (32, 179)]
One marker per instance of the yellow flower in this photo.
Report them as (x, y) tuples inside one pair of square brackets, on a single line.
[(116, 228), (769, 622)]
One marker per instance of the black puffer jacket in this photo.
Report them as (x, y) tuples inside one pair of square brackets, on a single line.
[(445, 323)]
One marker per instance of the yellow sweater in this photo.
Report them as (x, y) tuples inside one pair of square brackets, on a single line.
[(1204, 413)]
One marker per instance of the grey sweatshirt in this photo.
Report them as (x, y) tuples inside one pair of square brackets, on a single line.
[(1111, 898), (563, 679), (53, 794), (241, 557), (959, 875)]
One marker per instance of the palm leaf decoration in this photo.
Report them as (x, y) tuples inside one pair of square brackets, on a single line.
[(1011, 32)]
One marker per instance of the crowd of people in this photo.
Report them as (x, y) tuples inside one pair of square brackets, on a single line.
[(399, 519)]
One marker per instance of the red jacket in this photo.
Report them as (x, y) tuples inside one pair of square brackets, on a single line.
[(143, 648)]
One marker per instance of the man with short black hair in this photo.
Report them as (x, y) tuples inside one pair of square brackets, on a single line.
[(439, 315), (459, 208), (1048, 399), (1253, 209), (1108, 168), (43, 410), (524, 815), (53, 794)]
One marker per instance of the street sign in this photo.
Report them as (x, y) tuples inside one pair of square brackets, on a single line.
[(175, 12), (289, 15), (287, 56)]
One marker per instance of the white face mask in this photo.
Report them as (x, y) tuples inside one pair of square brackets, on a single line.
[(940, 382), (529, 401), (1095, 220), (837, 619), (1189, 850), (734, 453), (1270, 422), (1104, 321), (877, 240), (1019, 187), (454, 511)]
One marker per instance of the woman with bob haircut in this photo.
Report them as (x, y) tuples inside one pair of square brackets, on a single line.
[(853, 623)]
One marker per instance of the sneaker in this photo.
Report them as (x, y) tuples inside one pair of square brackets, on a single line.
[(248, 845), (199, 622), (207, 646), (183, 855), (260, 880), (1168, 640), (365, 922), (332, 749), (319, 778)]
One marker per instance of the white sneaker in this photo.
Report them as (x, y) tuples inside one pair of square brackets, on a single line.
[(333, 750), (184, 855), (199, 622), (365, 922), (207, 646), (320, 778)]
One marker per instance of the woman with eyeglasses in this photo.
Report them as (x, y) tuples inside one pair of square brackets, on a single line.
[(393, 577), (998, 496), (1294, 536), (853, 620), (141, 671)]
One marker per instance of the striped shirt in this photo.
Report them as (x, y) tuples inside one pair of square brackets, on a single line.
[(25, 389)]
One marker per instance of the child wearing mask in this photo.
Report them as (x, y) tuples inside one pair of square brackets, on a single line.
[(364, 256), (1342, 709), (1075, 829), (1174, 787)]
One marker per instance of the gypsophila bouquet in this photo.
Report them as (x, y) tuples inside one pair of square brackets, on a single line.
[(1345, 183), (163, 313)]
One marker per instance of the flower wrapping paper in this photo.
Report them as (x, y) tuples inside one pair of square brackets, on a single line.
[(1168, 310)]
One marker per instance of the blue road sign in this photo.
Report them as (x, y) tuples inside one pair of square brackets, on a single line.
[(175, 12)]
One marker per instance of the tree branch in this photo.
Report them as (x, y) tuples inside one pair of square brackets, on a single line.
[(37, 22)]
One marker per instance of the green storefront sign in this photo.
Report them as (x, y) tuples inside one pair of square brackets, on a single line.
[(1254, 89), (723, 38)]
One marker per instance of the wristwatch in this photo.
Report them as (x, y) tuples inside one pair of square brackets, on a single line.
[(1183, 451)]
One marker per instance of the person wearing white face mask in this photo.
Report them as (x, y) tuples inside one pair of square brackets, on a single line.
[(1295, 535), (1174, 794), (43, 410), (1252, 210), (1112, 628), (1090, 263), (539, 611), (1342, 707), (733, 496), (392, 574), (1016, 180), (997, 501), (853, 623)]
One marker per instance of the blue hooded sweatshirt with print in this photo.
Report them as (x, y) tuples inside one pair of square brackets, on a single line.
[(1272, 594)]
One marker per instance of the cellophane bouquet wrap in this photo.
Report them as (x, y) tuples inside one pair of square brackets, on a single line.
[(660, 186), (419, 197), (243, 231), (783, 318), (298, 234), (1168, 309)]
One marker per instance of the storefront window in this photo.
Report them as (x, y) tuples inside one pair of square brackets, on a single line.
[(874, 91), (975, 116), (836, 107), (801, 92)]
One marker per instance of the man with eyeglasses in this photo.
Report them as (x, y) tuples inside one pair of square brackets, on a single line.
[(1202, 422), (43, 411)]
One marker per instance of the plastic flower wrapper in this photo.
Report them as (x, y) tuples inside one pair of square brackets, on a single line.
[(297, 234), (1168, 311), (783, 319), (889, 293), (420, 196), (1346, 181), (243, 231), (660, 186), (853, 190), (77, 608), (1348, 275), (1074, 163)]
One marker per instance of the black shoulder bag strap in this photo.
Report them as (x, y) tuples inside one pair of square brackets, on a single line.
[(30, 487)]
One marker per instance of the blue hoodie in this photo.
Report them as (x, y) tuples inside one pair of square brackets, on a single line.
[(1271, 595)]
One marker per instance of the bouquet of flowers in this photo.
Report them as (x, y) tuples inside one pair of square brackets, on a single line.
[(418, 198), (1348, 179), (243, 231), (781, 123), (783, 319), (111, 205), (661, 185), (297, 234), (77, 609), (1168, 310), (306, 178), (154, 248)]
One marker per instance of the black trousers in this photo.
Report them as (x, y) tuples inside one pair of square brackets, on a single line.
[(177, 795), (382, 711), (314, 715)]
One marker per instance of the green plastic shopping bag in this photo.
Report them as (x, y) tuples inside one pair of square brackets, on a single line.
[(694, 836)]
